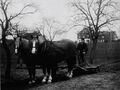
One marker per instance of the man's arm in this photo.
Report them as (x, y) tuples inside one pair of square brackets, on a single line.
[(78, 46), (86, 48)]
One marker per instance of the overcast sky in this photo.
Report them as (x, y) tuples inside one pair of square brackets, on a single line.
[(58, 9)]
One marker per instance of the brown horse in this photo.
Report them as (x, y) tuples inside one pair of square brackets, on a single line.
[(47, 54), (23, 46), (51, 53)]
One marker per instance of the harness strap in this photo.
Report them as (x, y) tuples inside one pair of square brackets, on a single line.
[(44, 48)]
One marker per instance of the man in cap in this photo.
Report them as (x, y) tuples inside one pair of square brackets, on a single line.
[(82, 51)]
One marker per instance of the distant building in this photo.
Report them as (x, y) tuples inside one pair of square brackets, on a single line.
[(107, 36), (104, 36)]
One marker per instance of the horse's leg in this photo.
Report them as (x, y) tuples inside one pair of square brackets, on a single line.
[(18, 62), (49, 70), (30, 73), (71, 63), (70, 71), (54, 69), (33, 73), (45, 74)]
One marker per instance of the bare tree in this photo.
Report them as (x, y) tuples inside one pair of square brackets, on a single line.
[(41, 28), (5, 25), (96, 14), (50, 28)]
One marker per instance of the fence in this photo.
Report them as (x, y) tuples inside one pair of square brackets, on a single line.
[(106, 52)]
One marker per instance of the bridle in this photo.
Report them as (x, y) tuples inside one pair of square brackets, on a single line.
[(17, 44), (34, 43), (41, 42)]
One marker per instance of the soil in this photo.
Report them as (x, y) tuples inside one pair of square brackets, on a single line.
[(94, 81)]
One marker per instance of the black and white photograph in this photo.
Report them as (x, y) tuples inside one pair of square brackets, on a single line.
[(60, 44)]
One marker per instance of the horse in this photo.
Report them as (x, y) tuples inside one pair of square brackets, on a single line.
[(19, 60), (23, 46), (47, 54), (50, 53)]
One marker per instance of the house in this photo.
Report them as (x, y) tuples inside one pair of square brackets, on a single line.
[(104, 36)]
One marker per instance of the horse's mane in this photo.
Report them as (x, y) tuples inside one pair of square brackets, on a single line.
[(24, 42)]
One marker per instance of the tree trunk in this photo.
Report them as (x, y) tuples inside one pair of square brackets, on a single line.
[(8, 55), (92, 52)]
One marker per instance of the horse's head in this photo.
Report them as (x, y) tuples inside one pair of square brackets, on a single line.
[(41, 39), (36, 42), (21, 44), (17, 44)]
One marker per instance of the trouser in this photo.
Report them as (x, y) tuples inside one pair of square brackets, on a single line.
[(81, 59)]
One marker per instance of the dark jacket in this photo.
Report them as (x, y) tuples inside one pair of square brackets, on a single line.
[(82, 47)]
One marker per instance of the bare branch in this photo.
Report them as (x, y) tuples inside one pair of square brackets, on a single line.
[(82, 10), (76, 25), (89, 13), (91, 3), (22, 13), (3, 9), (6, 5), (98, 12), (1, 24), (107, 22), (1, 21)]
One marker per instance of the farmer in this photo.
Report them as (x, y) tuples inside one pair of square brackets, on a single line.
[(82, 51)]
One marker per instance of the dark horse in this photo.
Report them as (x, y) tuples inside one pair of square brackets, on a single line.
[(48, 54), (23, 47)]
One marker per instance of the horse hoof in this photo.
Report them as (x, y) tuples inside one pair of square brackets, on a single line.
[(49, 81), (44, 80), (30, 82), (33, 81), (69, 75)]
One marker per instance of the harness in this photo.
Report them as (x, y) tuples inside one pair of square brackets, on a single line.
[(44, 48)]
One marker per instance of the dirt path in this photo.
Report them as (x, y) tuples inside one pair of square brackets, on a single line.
[(99, 81)]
